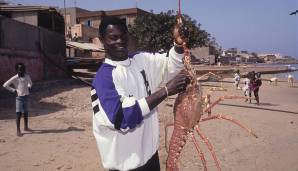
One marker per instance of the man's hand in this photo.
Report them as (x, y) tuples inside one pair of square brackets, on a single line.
[(178, 83), (15, 92)]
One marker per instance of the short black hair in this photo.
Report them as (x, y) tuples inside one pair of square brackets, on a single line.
[(19, 64), (110, 20)]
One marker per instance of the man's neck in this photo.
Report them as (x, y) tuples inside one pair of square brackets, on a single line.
[(117, 59)]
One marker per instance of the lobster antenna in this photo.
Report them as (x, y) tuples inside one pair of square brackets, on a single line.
[(179, 7), (179, 18)]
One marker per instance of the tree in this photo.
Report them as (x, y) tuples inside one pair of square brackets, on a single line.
[(4, 2), (154, 32)]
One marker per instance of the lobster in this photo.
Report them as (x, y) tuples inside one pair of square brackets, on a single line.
[(188, 111)]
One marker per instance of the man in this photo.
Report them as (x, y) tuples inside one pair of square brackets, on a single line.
[(125, 93), (21, 82), (257, 84)]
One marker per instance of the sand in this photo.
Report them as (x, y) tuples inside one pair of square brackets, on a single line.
[(62, 138)]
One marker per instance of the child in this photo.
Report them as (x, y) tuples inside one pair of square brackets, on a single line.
[(21, 82), (245, 88), (237, 79)]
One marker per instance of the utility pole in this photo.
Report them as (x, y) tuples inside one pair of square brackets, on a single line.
[(65, 18), (136, 3)]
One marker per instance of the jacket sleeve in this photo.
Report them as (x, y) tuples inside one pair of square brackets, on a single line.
[(118, 110), (162, 67)]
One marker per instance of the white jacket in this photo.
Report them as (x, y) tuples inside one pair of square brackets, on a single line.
[(126, 131)]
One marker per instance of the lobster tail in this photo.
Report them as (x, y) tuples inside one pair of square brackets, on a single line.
[(177, 142)]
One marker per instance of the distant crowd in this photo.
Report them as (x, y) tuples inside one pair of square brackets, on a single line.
[(252, 83)]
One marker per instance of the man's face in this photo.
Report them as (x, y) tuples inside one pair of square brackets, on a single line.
[(115, 43), (21, 70)]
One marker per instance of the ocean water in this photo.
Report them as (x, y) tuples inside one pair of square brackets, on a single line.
[(285, 75)]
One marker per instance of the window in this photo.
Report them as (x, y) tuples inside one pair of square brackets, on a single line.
[(88, 23), (124, 20)]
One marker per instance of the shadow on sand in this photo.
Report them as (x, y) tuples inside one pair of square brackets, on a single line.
[(260, 108), (45, 131), (39, 91)]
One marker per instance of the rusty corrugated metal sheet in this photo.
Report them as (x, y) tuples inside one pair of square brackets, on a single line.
[(24, 8), (84, 46)]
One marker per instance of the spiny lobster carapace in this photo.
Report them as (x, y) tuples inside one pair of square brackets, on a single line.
[(188, 109)]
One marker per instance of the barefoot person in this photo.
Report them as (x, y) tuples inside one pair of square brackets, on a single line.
[(257, 84), (237, 79), (126, 91), (245, 88), (251, 85), (21, 83)]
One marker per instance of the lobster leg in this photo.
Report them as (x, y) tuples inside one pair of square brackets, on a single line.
[(199, 150), (208, 74), (209, 145), (222, 98), (229, 118)]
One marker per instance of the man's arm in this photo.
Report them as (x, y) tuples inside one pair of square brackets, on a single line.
[(179, 82), (176, 85), (29, 81), (7, 84)]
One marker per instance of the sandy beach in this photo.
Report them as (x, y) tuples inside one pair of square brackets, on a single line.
[(62, 139)]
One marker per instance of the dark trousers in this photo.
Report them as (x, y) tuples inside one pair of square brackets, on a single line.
[(151, 165), (256, 93)]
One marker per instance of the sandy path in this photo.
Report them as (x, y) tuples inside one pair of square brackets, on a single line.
[(63, 140)]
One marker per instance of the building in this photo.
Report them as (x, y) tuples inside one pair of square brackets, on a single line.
[(36, 39), (202, 55), (41, 16), (84, 24), (270, 57), (231, 52)]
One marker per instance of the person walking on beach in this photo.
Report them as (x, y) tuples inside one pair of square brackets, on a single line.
[(126, 91), (245, 88), (237, 79), (22, 83), (290, 80), (257, 84), (251, 77)]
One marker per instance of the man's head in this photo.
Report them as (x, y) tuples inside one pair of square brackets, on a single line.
[(113, 34), (21, 69), (251, 75)]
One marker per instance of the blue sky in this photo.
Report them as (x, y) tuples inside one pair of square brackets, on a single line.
[(262, 26)]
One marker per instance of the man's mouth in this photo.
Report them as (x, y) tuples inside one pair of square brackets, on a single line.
[(121, 48)]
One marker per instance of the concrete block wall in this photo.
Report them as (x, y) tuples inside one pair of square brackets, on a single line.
[(19, 42), (9, 58)]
